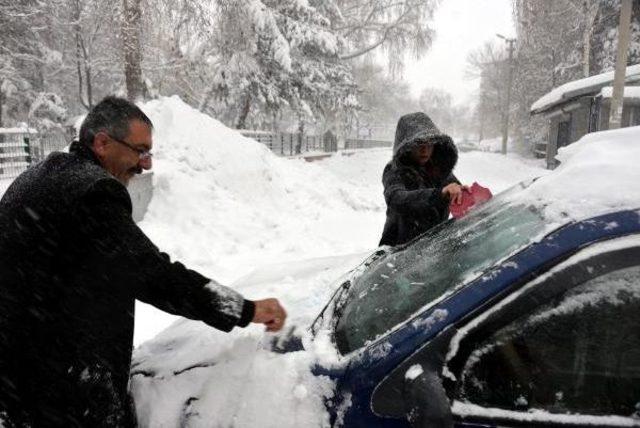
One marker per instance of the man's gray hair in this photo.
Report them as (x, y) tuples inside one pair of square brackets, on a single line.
[(111, 115)]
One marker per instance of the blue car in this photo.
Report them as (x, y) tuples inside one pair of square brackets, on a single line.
[(504, 318)]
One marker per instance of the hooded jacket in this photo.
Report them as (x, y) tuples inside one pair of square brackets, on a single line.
[(414, 194), (72, 263)]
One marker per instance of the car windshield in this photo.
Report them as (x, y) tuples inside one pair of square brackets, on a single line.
[(434, 265)]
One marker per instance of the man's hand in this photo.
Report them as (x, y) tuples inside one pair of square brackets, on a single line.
[(453, 192), (270, 313)]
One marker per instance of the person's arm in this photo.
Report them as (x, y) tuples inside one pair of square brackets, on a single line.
[(450, 179), (130, 257), (413, 202), (452, 189)]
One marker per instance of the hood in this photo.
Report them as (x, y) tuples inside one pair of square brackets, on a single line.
[(415, 127)]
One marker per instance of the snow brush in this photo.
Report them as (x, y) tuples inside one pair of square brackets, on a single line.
[(476, 194)]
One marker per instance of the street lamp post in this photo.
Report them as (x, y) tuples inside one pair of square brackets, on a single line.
[(505, 118), (617, 99)]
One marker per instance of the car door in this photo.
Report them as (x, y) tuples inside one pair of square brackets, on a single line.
[(564, 351), (496, 362)]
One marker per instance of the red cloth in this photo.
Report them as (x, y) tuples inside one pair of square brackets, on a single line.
[(474, 196)]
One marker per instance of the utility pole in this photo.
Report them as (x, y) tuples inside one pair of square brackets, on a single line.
[(507, 106), (617, 99)]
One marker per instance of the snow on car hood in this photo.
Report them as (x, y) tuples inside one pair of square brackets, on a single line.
[(193, 375)]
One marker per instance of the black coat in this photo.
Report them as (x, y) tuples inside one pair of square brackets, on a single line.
[(414, 194), (72, 263)]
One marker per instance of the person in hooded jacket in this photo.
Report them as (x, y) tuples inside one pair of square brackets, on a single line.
[(72, 263), (418, 183)]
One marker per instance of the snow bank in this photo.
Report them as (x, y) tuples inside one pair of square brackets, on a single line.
[(225, 203), (598, 174)]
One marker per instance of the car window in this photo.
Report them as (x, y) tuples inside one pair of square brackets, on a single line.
[(400, 284), (579, 353)]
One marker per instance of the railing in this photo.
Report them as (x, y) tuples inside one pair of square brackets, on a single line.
[(366, 144), (286, 144), (18, 150), (290, 144)]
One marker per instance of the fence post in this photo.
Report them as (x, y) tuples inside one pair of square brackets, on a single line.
[(27, 148), (281, 144), (290, 144)]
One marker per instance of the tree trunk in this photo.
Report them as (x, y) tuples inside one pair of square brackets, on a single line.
[(590, 10), (79, 56), (132, 50), (1, 107), (244, 113)]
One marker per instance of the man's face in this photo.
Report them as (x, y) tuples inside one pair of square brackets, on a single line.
[(122, 158), (421, 153)]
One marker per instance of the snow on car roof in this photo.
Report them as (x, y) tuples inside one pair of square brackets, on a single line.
[(598, 174), (582, 86)]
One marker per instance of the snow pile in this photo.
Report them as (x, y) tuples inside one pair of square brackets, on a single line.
[(225, 382), (226, 204), (577, 87), (598, 174)]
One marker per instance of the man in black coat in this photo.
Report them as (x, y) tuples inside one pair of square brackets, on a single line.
[(418, 182), (72, 263)]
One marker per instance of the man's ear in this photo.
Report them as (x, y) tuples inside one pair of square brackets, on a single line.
[(100, 142)]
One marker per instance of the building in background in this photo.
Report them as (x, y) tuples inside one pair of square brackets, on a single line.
[(582, 106)]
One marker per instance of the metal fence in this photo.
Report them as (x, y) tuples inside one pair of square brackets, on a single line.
[(285, 143), (18, 150), (366, 144), (290, 144)]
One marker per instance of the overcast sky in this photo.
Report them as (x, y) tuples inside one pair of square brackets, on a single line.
[(461, 26)]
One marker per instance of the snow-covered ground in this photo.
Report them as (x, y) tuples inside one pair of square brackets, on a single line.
[(226, 206)]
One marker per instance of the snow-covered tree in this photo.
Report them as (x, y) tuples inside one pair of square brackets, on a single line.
[(605, 36), (28, 60), (280, 55), (383, 98), (489, 64), (395, 26)]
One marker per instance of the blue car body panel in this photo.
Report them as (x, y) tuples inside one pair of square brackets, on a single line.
[(368, 367)]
